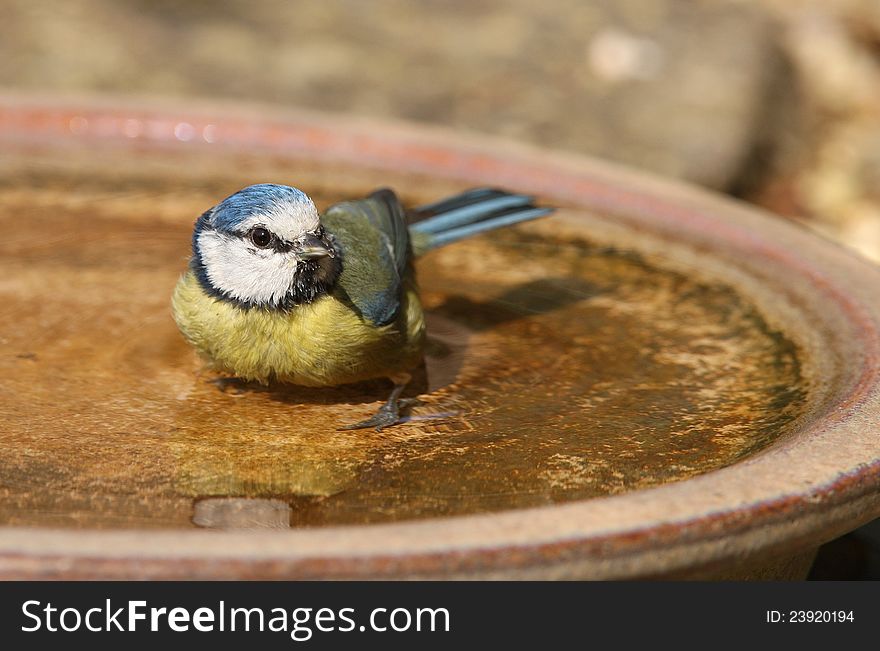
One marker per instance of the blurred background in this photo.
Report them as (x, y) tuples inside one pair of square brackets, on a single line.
[(776, 102)]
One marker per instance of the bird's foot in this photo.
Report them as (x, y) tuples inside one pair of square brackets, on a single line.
[(231, 386), (387, 415)]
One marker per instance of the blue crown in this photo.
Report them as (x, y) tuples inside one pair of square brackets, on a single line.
[(233, 210)]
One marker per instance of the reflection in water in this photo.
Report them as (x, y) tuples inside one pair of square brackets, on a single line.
[(284, 441), (241, 513), (574, 371)]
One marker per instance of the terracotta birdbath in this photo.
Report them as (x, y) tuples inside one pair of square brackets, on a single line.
[(654, 382)]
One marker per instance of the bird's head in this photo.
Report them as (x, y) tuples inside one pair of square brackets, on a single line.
[(264, 246)]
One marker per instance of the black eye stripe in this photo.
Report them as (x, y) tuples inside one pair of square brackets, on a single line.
[(275, 243)]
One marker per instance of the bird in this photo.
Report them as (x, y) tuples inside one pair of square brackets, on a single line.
[(276, 292)]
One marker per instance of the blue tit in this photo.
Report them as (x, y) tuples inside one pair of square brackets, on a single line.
[(277, 292)]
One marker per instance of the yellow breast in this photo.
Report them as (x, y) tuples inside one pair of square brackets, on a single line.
[(322, 343)]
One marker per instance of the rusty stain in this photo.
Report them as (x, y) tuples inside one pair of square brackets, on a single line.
[(585, 372)]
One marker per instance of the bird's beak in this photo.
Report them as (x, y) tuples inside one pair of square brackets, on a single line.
[(311, 246)]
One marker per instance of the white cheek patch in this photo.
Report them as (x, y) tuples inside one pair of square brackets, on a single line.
[(262, 277)]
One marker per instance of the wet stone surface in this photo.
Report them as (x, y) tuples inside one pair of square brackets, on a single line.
[(561, 370)]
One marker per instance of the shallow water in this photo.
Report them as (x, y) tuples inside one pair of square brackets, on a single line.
[(562, 370)]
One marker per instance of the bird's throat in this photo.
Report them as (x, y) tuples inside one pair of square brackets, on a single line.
[(312, 279)]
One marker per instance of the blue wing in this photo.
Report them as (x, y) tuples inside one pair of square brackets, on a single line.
[(373, 236)]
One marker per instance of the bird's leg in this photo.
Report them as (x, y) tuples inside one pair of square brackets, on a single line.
[(232, 386), (389, 413)]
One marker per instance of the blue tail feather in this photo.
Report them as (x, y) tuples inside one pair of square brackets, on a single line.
[(459, 200), (470, 213), (460, 233)]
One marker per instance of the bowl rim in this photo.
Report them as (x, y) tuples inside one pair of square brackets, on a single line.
[(794, 495)]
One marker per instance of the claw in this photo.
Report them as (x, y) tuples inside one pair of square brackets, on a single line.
[(231, 386), (389, 413), (387, 416)]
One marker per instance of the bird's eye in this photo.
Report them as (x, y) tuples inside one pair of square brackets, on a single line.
[(261, 237)]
